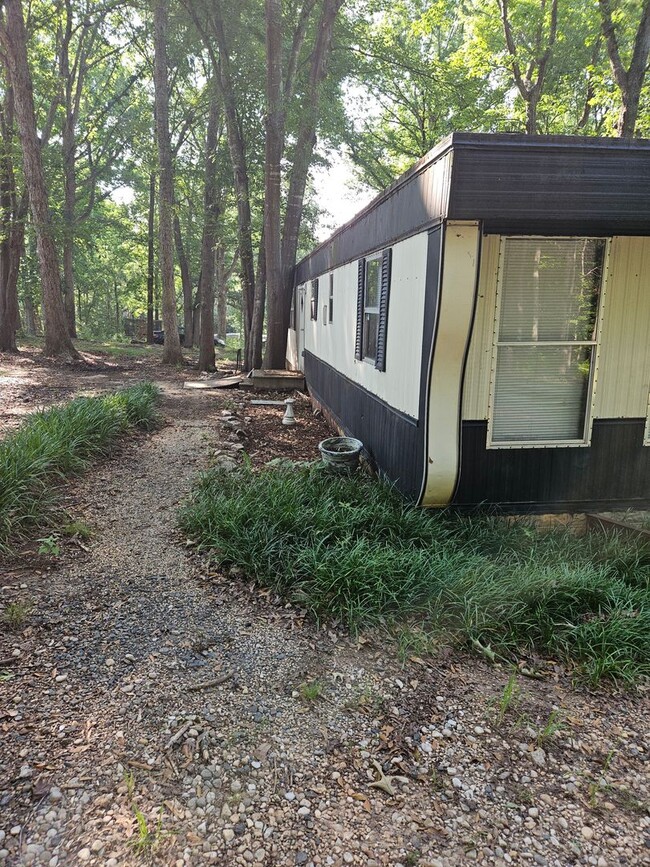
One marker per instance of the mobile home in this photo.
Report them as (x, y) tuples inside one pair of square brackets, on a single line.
[(483, 326)]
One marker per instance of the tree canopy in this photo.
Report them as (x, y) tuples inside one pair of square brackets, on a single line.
[(176, 138)]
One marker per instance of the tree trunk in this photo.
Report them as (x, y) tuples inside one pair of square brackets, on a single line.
[(259, 303), (30, 314), (209, 240), (69, 176), (172, 351), (11, 231), (196, 316), (272, 181), (14, 43), (151, 259), (238, 159), (222, 291), (630, 80), (279, 303), (186, 283)]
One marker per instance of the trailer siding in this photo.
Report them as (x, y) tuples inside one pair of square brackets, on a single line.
[(615, 469), (552, 185)]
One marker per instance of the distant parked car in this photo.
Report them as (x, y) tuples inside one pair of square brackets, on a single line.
[(159, 337)]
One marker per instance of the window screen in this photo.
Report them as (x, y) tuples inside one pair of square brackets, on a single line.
[(547, 331)]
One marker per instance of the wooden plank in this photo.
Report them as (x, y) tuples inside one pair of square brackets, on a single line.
[(226, 382)]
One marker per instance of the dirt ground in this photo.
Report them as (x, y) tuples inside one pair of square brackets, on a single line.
[(154, 710)]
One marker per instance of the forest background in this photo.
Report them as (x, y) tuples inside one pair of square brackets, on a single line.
[(159, 157)]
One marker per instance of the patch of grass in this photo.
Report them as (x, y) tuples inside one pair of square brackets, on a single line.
[(508, 699), (146, 839), (310, 690), (76, 529), (15, 614), (55, 444), (553, 724), (350, 549)]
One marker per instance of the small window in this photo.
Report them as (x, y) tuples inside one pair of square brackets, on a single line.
[(314, 299), (546, 340), (373, 288), (331, 306)]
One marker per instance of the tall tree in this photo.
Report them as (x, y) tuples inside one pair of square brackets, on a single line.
[(13, 211), (279, 294), (13, 38), (172, 352), (529, 57), (209, 238), (629, 81)]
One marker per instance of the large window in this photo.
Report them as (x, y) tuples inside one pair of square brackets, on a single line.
[(546, 340), (372, 308)]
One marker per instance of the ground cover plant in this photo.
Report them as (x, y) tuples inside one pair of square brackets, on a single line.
[(351, 549), (57, 443)]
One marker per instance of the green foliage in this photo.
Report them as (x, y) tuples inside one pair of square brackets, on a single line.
[(49, 546), (61, 442), (351, 549), (310, 690), (508, 698), (15, 614), (77, 529)]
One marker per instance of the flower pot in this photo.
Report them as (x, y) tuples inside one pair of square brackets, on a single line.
[(340, 454)]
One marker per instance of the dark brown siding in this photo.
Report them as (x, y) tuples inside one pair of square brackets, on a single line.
[(597, 186), (613, 472), (514, 184), (391, 439)]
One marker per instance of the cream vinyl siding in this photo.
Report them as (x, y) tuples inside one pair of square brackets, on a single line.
[(333, 343), (623, 376), (476, 391), (456, 304), (624, 364)]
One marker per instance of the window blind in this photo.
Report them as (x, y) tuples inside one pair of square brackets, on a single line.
[(547, 328)]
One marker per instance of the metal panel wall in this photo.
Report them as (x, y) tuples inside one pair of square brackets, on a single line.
[(333, 343), (415, 202), (613, 472), (624, 363), (558, 185)]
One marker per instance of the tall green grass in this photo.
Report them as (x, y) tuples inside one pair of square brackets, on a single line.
[(57, 443), (351, 549)]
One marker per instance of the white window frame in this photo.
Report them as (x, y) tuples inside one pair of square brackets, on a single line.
[(646, 435), (585, 441), (372, 311), (330, 306)]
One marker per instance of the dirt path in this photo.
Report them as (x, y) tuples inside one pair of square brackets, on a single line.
[(108, 719)]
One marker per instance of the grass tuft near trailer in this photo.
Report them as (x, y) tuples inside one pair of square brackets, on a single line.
[(351, 549)]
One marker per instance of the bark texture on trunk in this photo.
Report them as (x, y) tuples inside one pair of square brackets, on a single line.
[(630, 80), (172, 351), (12, 229), (279, 303), (186, 283), (209, 240), (151, 254), (274, 146), (14, 43)]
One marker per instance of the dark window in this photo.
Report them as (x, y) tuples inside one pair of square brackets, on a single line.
[(314, 299), (331, 316), (372, 308)]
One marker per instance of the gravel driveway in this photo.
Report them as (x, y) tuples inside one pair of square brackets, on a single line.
[(155, 711)]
